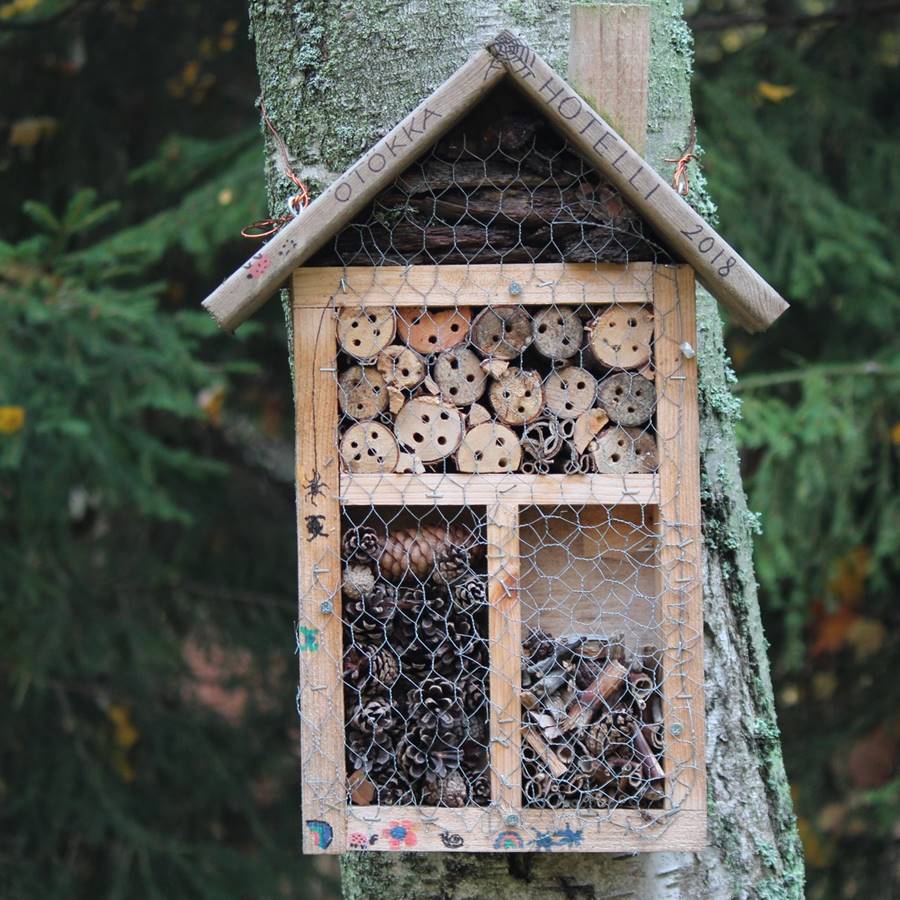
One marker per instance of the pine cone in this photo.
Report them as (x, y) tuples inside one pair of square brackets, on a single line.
[(470, 592), (411, 552), (451, 789), (358, 580), (369, 615), (368, 753), (361, 543), (481, 791), (374, 717), (451, 563), (384, 669)]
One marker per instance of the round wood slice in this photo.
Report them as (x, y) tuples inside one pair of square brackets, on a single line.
[(432, 331), (401, 366), (489, 447), (628, 399), (620, 336), (362, 393), (459, 376), (517, 396), (645, 450), (502, 332), (431, 429), (557, 332), (569, 392), (613, 452), (369, 447), (363, 333)]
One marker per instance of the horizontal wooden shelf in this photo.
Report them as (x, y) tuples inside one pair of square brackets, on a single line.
[(513, 284), (437, 489), (488, 829)]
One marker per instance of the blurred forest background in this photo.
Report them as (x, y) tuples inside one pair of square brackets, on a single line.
[(147, 730)]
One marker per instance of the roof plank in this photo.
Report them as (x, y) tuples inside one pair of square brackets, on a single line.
[(242, 293), (720, 268)]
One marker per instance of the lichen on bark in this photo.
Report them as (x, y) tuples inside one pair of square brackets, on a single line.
[(335, 77)]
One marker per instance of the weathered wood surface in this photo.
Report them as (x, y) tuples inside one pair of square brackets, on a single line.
[(239, 296), (721, 269)]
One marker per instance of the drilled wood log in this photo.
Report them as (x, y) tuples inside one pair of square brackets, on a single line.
[(569, 392), (620, 337), (517, 396), (623, 451), (627, 399), (430, 429), (459, 376), (502, 332), (489, 447), (363, 333), (558, 332), (401, 366), (369, 447), (362, 392), (432, 331)]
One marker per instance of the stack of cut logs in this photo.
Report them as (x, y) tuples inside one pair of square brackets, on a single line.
[(592, 723), (564, 389), (415, 666)]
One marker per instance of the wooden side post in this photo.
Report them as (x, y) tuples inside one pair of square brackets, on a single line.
[(505, 637), (319, 642), (680, 585), (609, 61)]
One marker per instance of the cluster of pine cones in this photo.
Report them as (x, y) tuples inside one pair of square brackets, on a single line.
[(593, 733), (416, 666)]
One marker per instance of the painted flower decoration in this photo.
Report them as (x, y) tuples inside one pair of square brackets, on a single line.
[(400, 834)]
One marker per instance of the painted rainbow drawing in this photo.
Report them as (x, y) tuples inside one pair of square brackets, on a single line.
[(509, 840)]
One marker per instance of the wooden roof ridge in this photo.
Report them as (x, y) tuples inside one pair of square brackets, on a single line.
[(720, 268)]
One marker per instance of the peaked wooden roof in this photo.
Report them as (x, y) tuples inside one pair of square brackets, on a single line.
[(728, 277)]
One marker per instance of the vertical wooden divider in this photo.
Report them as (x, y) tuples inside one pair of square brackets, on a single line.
[(319, 560), (505, 637), (681, 587)]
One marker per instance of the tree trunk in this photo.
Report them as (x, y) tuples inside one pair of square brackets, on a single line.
[(335, 77)]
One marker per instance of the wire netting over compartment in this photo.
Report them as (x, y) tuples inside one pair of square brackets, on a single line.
[(499, 536)]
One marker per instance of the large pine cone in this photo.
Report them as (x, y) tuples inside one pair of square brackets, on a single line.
[(367, 752), (373, 717), (451, 789), (470, 592), (361, 543), (411, 552), (369, 615)]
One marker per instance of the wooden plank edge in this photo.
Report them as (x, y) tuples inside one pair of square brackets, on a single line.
[(243, 292), (729, 278)]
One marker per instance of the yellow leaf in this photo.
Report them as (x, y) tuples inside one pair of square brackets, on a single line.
[(226, 195), (17, 7), (126, 735), (12, 419), (895, 434), (775, 93), (28, 132), (212, 400)]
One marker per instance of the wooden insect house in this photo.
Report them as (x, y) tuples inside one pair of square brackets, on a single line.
[(500, 628)]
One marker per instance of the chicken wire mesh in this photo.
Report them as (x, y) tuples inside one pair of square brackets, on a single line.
[(519, 663)]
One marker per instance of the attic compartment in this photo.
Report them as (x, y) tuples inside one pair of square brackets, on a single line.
[(501, 186)]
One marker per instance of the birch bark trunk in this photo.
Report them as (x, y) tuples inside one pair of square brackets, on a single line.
[(336, 76)]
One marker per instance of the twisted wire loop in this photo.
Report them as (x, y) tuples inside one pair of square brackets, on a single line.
[(467, 384)]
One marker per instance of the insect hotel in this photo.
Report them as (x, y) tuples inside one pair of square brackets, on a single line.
[(500, 627)]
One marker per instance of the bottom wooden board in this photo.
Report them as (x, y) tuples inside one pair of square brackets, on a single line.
[(488, 830)]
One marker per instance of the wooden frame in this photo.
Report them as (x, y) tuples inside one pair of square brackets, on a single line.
[(671, 496)]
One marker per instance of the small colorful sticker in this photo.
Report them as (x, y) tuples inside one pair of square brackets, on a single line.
[(452, 840), (564, 837), (356, 840), (400, 834), (322, 833), (307, 639), (509, 840)]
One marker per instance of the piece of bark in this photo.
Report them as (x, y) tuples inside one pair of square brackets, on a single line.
[(369, 447), (569, 392), (396, 399), (430, 385), (608, 684), (401, 366), (587, 426), (458, 375), (362, 393), (652, 769), (430, 429), (558, 332), (432, 331), (502, 332), (489, 447), (364, 333), (620, 337), (362, 791), (410, 464), (494, 367), (478, 415), (542, 749), (628, 399), (517, 396)]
